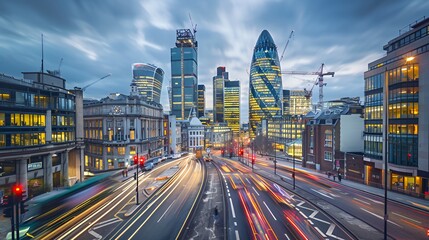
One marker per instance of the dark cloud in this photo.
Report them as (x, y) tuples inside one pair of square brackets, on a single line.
[(99, 37)]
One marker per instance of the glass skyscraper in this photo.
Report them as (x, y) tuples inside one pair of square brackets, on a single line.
[(218, 94), (265, 100), (184, 74), (201, 100), (148, 79), (232, 105)]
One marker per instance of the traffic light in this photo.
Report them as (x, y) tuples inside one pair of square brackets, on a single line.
[(7, 202), (136, 158), (142, 160), (17, 192)]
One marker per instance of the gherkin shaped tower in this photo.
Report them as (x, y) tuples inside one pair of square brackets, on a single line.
[(265, 83)]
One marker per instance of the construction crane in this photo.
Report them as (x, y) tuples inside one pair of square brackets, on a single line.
[(287, 43), (194, 27), (319, 81), (89, 85)]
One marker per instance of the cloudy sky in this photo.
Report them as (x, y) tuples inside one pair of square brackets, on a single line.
[(107, 36)]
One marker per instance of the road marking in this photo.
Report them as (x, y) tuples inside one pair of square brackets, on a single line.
[(311, 222), (235, 224), (269, 210), (255, 190), (380, 217), (287, 236), (322, 194), (321, 233), (232, 208), (247, 180), (229, 195), (237, 236), (165, 211), (397, 214), (227, 190), (331, 230), (103, 222), (288, 178), (362, 201), (96, 235), (372, 200), (303, 215), (99, 225)]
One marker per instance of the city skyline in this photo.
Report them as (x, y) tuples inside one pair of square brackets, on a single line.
[(346, 37)]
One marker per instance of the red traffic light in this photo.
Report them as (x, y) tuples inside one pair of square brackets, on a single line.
[(136, 158), (17, 191), (142, 160)]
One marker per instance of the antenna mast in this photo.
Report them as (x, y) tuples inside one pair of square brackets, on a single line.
[(42, 54)]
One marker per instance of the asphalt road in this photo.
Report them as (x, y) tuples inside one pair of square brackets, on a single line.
[(164, 215), (404, 222), (259, 208)]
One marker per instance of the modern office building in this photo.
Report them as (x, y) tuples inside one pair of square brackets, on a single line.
[(282, 131), (232, 105), (184, 74), (265, 84), (148, 79), (40, 133), (218, 94), (201, 108), (403, 135), (118, 127), (295, 102)]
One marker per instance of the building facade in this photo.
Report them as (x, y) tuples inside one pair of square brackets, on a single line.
[(232, 105), (148, 79), (118, 127), (265, 84), (196, 134), (184, 74), (201, 108), (40, 133), (404, 72), (299, 103), (175, 135), (219, 94)]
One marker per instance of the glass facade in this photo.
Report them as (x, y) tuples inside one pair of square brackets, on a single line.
[(218, 94), (201, 100), (148, 79), (24, 110), (184, 74), (232, 105), (295, 102), (265, 100)]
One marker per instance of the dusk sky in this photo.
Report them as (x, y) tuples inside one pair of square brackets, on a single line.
[(99, 37)]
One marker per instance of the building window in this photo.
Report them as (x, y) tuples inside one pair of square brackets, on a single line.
[(328, 156), (132, 134), (121, 151), (328, 138)]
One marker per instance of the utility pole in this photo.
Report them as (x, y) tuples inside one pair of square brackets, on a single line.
[(137, 176), (293, 157)]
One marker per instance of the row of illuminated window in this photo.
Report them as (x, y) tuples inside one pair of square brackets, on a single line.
[(404, 94), (94, 134), (375, 99), (34, 100), (93, 123), (404, 110), (58, 137), (27, 139), (375, 112), (404, 129), (17, 119), (402, 57), (129, 109), (404, 73)]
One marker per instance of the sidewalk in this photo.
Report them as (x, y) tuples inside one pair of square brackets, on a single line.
[(419, 203)]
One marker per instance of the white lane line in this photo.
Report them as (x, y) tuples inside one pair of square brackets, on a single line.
[(362, 201), (247, 180), (311, 222), (321, 233), (232, 208), (269, 210), (372, 200), (397, 214), (303, 215), (255, 191), (103, 225), (229, 195), (287, 236), (237, 236), (96, 235), (165, 211), (227, 190), (380, 217), (235, 224), (322, 194)]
